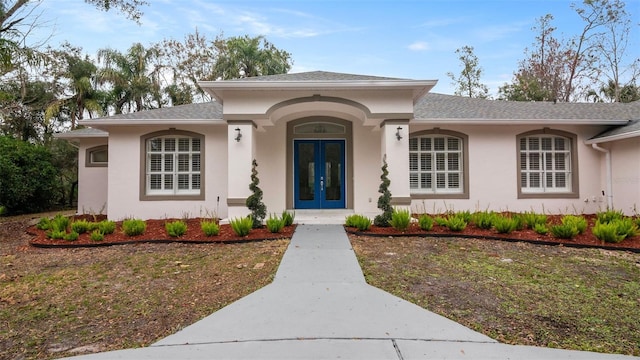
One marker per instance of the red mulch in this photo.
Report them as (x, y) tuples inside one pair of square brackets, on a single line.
[(155, 232), (586, 239)]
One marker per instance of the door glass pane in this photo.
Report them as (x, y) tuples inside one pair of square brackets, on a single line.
[(333, 168), (306, 178)]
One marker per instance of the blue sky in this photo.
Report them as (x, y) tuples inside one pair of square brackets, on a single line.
[(413, 39)]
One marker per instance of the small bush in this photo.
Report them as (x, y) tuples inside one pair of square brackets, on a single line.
[(288, 217), (578, 222), (107, 226), (565, 230), (456, 223), (607, 232), (441, 221), (464, 215), (541, 229), (72, 236), (56, 234), (242, 226), (176, 228), (80, 226), (133, 227), (425, 222), (483, 219), (400, 219), (44, 224), (626, 227), (505, 225), (210, 227), (361, 222), (609, 216), (3, 210), (532, 219), (275, 224), (60, 223), (97, 235)]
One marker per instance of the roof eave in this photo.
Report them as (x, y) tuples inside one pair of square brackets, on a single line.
[(486, 121), (604, 139), (105, 122)]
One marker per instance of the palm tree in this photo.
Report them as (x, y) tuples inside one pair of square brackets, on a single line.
[(134, 84), (248, 57)]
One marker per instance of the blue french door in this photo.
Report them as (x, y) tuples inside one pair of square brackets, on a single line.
[(319, 174)]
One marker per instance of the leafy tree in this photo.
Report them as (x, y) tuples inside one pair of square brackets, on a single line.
[(28, 179), (468, 83), (384, 201), (254, 201), (22, 107), (250, 56), (135, 84)]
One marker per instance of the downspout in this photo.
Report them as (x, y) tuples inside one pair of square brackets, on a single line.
[(609, 180)]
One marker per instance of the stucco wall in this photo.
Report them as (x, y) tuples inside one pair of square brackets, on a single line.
[(92, 181), (367, 166), (125, 172), (625, 163), (493, 173)]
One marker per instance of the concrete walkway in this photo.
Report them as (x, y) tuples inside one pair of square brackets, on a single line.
[(320, 307)]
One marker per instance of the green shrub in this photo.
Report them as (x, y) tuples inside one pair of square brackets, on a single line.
[(107, 226), (626, 227), (519, 221), (464, 215), (254, 201), (565, 230), (60, 223), (44, 224), (288, 217), (425, 222), (441, 221), (531, 219), (3, 210), (483, 219), (176, 228), (400, 219), (210, 227), (578, 222), (242, 226), (505, 225), (456, 223), (72, 236), (133, 227), (56, 234), (384, 201), (607, 231), (361, 222), (541, 229), (275, 224), (29, 180), (609, 215), (80, 226), (97, 235)]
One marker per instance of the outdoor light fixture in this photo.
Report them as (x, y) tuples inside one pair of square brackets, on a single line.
[(398, 136), (238, 135)]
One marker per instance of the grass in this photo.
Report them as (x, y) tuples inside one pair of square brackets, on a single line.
[(56, 300), (582, 299)]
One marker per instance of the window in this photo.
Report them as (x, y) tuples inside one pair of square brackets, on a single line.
[(173, 165), (97, 156), (437, 164), (547, 166)]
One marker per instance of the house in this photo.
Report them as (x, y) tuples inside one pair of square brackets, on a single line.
[(320, 139)]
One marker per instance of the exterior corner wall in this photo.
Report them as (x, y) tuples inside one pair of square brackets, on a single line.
[(92, 181), (625, 165), (271, 154), (367, 158)]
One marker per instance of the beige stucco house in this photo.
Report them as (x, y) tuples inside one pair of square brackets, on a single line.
[(320, 139)]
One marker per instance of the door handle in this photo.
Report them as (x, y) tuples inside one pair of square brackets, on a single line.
[(321, 183)]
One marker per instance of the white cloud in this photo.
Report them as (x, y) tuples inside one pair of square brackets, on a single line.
[(419, 46)]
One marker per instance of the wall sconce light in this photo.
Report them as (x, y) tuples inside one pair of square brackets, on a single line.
[(238, 134), (398, 136)]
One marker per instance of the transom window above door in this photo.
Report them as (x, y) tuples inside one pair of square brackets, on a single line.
[(437, 164), (319, 128)]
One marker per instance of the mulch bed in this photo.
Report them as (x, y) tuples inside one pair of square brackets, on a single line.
[(155, 232), (585, 240)]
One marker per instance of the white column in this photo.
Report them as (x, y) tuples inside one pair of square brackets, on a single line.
[(241, 151), (395, 145)]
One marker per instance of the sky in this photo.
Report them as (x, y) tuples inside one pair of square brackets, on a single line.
[(413, 39)]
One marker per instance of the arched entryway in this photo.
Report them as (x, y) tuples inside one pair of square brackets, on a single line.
[(319, 163)]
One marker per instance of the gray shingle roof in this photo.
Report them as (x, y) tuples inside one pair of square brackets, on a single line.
[(443, 107), (201, 111), (631, 129), (317, 76), (82, 133)]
